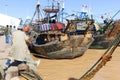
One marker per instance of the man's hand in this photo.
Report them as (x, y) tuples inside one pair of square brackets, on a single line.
[(12, 59)]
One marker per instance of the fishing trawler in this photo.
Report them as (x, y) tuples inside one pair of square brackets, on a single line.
[(55, 40), (104, 36)]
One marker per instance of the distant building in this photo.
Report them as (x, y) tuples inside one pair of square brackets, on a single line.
[(8, 20)]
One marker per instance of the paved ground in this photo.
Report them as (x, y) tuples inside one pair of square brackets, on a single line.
[(4, 48), (73, 68)]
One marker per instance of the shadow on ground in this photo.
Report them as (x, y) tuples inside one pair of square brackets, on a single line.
[(73, 79)]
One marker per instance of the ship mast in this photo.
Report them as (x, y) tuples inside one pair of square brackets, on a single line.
[(52, 11), (37, 13)]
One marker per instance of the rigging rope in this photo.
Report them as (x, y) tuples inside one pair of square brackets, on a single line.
[(30, 75), (102, 60)]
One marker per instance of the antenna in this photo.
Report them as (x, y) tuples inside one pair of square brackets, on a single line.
[(63, 6), (38, 3)]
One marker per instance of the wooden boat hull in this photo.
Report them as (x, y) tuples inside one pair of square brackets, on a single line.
[(75, 46), (100, 42)]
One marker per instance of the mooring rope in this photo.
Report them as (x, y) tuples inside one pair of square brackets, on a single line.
[(102, 60), (30, 75)]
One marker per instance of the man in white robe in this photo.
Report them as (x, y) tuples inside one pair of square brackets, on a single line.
[(19, 52)]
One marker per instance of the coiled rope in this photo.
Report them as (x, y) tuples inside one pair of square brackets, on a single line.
[(102, 60)]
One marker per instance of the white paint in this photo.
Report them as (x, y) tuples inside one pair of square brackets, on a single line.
[(8, 20)]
